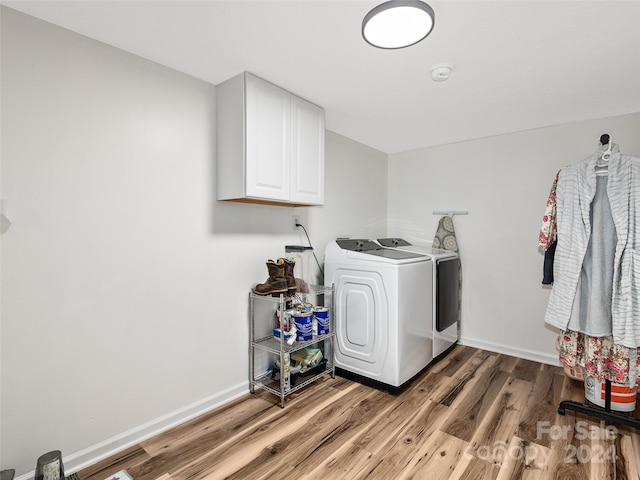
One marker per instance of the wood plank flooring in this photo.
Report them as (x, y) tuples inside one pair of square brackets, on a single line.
[(473, 415)]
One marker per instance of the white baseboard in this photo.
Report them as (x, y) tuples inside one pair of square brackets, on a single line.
[(93, 454), (514, 352)]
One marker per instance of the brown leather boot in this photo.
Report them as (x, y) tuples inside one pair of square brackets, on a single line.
[(289, 265), (276, 283)]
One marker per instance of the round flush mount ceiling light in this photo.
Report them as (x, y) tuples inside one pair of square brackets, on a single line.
[(398, 24)]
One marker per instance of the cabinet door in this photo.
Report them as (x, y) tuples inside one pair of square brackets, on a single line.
[(268, 155), (307, 152)]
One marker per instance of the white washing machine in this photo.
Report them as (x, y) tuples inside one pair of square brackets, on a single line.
[(384, 324), (446, 294)]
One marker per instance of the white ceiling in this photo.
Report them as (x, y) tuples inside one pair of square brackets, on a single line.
[(517, 64)]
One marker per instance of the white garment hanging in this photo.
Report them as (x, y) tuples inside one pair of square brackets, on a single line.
[(575, 192)]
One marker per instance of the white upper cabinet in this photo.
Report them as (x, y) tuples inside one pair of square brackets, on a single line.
[(270, 144), (307, 152), (268, 141)]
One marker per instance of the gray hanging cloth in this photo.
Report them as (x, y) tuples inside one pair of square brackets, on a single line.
[(445, 239)]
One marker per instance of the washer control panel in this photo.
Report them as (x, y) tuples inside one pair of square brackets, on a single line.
[(372, 248)]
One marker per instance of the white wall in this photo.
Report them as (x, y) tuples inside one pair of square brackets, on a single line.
[(504, 183), (359, 174), (124, 283)]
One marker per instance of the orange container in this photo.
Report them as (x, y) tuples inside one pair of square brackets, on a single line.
[(623, 398)]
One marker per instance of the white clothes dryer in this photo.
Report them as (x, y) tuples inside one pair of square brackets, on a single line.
[(384, 325), (446, 293)]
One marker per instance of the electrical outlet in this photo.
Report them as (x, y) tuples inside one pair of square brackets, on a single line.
[(296, 221)]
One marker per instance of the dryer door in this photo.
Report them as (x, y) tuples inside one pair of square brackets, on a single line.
[(447, 293)]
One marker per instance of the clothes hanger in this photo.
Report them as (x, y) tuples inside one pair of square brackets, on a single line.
[(603, 161), (607, 154)]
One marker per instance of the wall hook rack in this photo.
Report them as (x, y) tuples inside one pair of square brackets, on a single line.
[(451, 213)]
